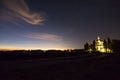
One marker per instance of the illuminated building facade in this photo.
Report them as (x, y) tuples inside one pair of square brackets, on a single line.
[(104, 46), (99, 45)]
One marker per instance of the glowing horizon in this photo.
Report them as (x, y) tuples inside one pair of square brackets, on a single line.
[(10, 49), (50, 48)]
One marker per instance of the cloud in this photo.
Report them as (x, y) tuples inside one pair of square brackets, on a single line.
[(18, 9), (44, 36)]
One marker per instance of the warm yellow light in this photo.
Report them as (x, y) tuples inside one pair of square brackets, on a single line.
[(103, 50)]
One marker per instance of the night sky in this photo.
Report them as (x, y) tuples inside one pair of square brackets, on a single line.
[(57, 24)]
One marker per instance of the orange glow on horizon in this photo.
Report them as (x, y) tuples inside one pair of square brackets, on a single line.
[(16, 48)]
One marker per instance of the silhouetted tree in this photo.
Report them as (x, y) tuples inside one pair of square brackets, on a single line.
[(105, 43), (86, 46), (109, 43), (93, 46)]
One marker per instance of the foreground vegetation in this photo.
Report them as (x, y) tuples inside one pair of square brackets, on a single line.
[(32, 54), (53, 66)]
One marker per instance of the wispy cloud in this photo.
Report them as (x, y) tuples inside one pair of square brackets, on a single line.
[(43, 36), (18, 9)]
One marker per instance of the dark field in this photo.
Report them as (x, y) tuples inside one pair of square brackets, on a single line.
[(62, 68)]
